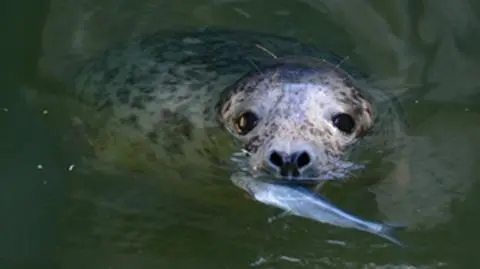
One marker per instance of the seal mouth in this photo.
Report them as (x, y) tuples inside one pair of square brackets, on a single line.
[(337, 171)]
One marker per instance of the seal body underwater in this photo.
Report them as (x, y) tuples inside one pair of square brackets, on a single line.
[(295, 111)]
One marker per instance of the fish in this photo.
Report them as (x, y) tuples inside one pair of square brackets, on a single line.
[(296, 199)]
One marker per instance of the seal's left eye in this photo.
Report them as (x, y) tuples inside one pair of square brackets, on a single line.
[(344, 122), (245, 123)]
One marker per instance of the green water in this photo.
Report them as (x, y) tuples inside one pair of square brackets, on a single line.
[(52, 217)]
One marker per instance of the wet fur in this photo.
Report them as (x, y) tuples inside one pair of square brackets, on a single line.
[(161, 94), (296, 100)]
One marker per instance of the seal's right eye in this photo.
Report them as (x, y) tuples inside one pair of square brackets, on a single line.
[(245, 122)]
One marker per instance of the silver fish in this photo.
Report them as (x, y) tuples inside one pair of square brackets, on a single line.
[(299, 201)]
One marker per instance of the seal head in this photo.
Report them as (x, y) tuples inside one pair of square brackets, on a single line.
[(296, 118)]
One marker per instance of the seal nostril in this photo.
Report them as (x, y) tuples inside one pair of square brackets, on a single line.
[(276, 159), (303, 159)]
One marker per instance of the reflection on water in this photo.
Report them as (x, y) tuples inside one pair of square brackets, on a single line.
[(134, 221)]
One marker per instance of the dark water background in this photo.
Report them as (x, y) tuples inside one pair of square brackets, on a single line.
[(51, 217)]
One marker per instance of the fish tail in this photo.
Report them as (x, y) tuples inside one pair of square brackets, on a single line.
[(387, 232)]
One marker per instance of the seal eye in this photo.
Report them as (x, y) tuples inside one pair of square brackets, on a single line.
[(344, 122), (245, 122)]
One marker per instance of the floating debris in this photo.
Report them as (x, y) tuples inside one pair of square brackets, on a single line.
[(70, 168), (337, 242), (242, 12), (290, 259), (259, 261)]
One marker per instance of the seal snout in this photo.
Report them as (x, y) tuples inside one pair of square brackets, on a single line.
[(289, 164)]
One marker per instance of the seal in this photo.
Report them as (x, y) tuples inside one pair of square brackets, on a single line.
[(292, 110)]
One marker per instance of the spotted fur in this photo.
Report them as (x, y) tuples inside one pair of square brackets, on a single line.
[(175, 93), (295, 101)]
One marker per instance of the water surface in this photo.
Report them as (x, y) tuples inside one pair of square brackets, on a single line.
[(58, 215)]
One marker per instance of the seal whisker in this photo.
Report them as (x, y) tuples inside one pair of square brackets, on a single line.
[(344, 59), (266, 51), (246, 152), (253, 64)]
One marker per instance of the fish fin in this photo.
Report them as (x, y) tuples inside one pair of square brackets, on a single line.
[(279, 216), (396, 226), (387, 232)]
